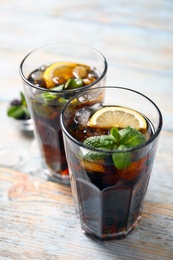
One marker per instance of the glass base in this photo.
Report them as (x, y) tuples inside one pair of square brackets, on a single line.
[(119, 236), (56, 177)]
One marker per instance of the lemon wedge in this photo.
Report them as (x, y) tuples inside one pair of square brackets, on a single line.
[(61, 71), (119, 117)]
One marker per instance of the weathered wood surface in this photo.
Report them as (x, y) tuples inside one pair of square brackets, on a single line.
[(37, 217)]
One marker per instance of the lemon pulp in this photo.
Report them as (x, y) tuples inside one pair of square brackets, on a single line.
[(61, 71), (120, 117)]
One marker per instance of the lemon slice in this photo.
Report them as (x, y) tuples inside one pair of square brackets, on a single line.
[(91, 166), (59, 70), (119, 117)]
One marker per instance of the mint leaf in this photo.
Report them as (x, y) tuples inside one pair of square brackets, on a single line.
[(117, 140), (131, 137), (105, 142), (101, 142), (49, 96), (121, 160), (18, 108), (73, 83), (26, 111), (58, 88), (114, 132), (23, 100), (62, 100), (16, 112)]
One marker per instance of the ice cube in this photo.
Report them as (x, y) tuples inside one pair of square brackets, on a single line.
[(96, 107), (80, 72), (82, 116), (37, 75)]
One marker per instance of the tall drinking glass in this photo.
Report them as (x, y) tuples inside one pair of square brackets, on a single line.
[(51, 75), (110, 136)]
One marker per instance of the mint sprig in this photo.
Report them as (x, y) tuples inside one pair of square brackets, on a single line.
[(70, 84), (118, 140), (18, 108), (49, 96)]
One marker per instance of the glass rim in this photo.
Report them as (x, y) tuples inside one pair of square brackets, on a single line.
[(101, 76), (150, 140)]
